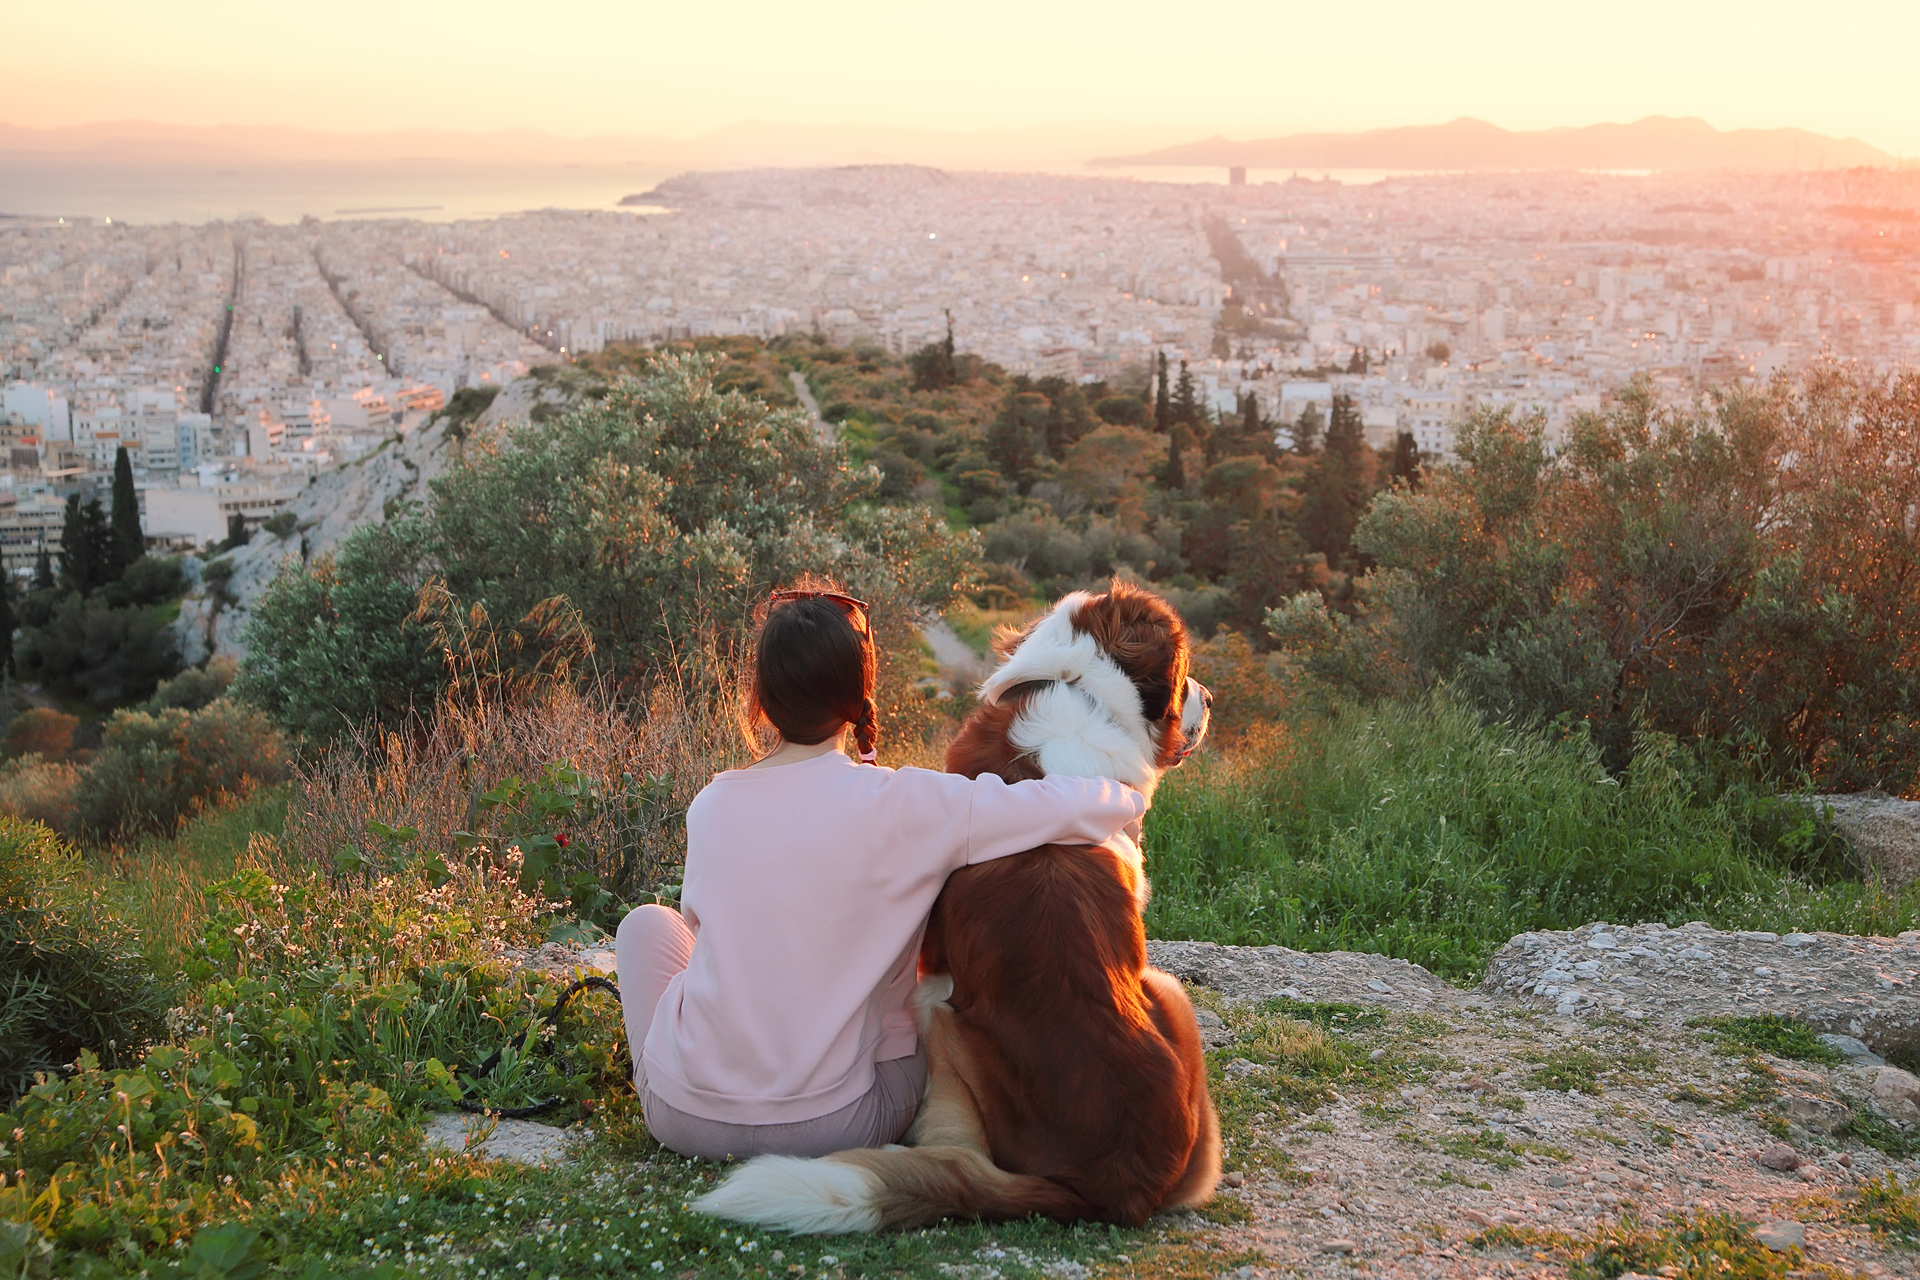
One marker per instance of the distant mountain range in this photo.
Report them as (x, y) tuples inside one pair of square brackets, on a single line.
[(1657, 142)]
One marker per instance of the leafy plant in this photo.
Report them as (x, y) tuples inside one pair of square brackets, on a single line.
[(71, 978)]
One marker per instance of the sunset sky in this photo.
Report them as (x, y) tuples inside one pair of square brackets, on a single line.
[(1242, 67)]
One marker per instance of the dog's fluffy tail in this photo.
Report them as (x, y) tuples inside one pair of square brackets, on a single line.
[(892, 1187)]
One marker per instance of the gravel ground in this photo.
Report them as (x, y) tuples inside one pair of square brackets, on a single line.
[(1401, 1182)]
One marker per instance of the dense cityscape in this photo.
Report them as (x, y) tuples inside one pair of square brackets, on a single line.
[(233, 360)]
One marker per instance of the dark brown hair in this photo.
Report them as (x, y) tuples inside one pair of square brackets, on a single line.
[(812, 672)]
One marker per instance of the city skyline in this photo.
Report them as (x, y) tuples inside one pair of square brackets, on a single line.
[(1247, 71)]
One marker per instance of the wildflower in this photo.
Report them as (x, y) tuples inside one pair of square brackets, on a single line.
[(561, 839)]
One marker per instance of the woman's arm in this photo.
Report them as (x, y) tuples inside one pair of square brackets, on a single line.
[(1012, 817)]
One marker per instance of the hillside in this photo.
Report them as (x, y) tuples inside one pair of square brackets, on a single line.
[(1656, 142)]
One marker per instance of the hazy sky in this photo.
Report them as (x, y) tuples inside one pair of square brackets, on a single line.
[(1240, 67)]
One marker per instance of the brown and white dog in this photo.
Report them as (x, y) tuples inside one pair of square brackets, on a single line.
[(1065, 1076)]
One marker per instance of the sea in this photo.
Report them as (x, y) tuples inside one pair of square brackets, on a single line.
[(81, 187), (88, 188)]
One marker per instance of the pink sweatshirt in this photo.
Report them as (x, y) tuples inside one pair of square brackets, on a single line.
[(807, 888)]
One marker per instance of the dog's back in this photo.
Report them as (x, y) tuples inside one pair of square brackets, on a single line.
[(1087, 1065), (1085, 1070)]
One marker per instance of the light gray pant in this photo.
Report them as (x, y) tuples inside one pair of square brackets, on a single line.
[(652, 945)]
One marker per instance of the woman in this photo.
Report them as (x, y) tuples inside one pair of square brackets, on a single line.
[(772, 1016)]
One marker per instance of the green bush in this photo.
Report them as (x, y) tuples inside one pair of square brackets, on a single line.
[(148, 580), (193, 688), (71, 976), (660, 511), (89, 649), (155, 768), (1743, 572), (1417, 830)]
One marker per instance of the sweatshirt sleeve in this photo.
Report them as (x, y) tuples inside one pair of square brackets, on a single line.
[(1007, 818)]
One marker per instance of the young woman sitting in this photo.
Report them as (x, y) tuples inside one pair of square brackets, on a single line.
[(770, 1014)]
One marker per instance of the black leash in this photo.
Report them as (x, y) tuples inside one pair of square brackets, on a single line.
[(552, 1019)]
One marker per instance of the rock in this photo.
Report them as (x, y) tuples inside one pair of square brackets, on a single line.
[(1866, 989), (1557, 1179), (1336, 1246), (1861, 1055), (1808, 1172), (521, 1141), (1234, 1179), (1883, 831), (1213, 1032), (1780, 1157), (1781, 1236), (1898, 1094), (1269, 973), (1813, 1112), (1475, 1216)]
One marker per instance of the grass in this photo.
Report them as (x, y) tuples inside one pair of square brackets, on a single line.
[(161, 883), (1416, 830), (1702, 1245), (1289, 1057), (1781, 1037)]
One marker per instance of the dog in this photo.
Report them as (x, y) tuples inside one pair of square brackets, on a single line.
[(1065, 1076)]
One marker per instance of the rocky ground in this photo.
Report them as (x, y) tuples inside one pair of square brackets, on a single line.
[(1573, 1092)]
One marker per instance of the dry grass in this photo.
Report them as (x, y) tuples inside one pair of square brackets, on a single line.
[(164, 881), (430, 780)]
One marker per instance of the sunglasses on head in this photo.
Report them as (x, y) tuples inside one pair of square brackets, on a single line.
[(855, 610)]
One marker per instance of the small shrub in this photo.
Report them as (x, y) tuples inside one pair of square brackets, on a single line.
[(40, 731), (70, 977), (1889, 1209), (43, 791), (193, 688), (154, 769), (281, 524)]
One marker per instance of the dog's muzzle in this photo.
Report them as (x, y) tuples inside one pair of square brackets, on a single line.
[(1195, 715)]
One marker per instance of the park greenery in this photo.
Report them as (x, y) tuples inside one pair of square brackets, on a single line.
[(257, 926)]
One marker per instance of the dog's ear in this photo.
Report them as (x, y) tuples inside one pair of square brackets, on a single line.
[(1006, 638), (1146, 639)]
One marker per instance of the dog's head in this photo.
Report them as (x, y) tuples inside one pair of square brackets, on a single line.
[(1104, 687)]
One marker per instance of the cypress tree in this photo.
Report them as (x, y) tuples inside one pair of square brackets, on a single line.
[(43, 579), (1406, 460), (237, 535), (1162, 402), (6, 622), (76, 547), (1338, 487), (129, 544)]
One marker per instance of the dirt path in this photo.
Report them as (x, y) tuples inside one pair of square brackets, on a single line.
[(828, 431)]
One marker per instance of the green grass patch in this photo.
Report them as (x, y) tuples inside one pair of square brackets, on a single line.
[(1415, 829), (1702, 1245), (1565, 1069), (1771, 1033)]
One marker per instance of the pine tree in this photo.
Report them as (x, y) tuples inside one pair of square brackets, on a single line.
[(43, 579), (1162, 403), (129, 544)]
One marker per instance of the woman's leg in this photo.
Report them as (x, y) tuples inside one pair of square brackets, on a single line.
[(879, 1116), (652, 945)]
